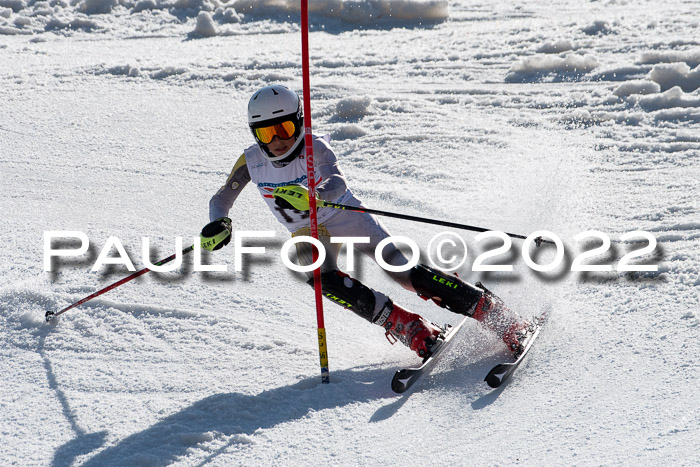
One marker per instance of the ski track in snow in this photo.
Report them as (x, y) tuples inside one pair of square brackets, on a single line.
[(122, 118)]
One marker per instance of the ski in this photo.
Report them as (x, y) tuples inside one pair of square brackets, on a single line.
[(503, 371), (405, 378)]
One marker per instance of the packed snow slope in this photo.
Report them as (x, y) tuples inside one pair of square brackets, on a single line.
[(121, 118)]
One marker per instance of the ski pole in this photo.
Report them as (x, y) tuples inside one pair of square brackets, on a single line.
[(53, 314), (538, 240)]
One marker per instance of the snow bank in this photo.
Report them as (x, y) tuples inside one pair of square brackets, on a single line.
[(96, 7), (676, 74), (559, 46), (168, 71), (132, 71), (691, 57), (351, 131), (674, 97), (123, 70), (432, 10), (538, 65), (637, 87), (75, 23), (227, 16), (12, 31), (597, 27), (548, 64), (14, 5), (365, 12), (31, 17)]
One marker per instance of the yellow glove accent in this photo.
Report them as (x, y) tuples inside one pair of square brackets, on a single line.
[(216, 234), (297, 196)]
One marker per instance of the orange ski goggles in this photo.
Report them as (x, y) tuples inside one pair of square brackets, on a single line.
[(284, 130)]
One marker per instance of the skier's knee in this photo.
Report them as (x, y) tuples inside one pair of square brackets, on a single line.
[(446, 290), (351, 294), (394, 257)]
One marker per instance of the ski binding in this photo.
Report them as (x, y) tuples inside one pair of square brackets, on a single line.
[(405, 378), (503, 371)]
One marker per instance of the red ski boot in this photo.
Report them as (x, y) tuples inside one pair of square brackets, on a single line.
[(514, 331), (411, 329)]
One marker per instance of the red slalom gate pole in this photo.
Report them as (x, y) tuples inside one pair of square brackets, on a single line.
[(311, 178)]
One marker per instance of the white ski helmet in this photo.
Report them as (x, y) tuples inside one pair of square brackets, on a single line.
[(272, 108)]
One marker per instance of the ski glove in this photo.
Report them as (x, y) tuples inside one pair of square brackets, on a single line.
[(294, 197), (216, 234)]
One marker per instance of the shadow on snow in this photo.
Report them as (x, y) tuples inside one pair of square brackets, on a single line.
[(236, 416)]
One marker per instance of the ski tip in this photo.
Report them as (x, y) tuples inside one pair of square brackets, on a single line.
[(401, 382), (498, 375), (492, 381)]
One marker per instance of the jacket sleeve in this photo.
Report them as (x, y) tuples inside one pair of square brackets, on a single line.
[(220, 204), (333, 184)]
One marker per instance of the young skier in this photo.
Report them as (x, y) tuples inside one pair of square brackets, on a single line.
[(277, 167)]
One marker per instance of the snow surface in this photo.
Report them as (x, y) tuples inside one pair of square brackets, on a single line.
[(122, 117)]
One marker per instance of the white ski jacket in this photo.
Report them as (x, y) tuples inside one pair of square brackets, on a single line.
[(253, 166)]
